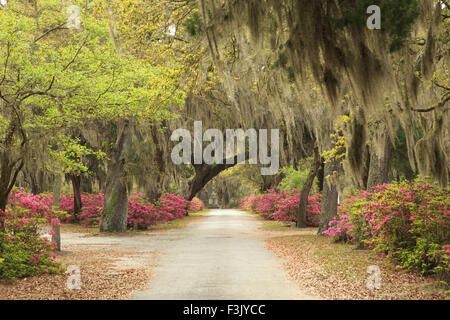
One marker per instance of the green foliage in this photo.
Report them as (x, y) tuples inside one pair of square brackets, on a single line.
[(55, 81), (426, 256), (194, 25), (294, 179), (23, 252), (24, 256), (70, 153), (337, 152)]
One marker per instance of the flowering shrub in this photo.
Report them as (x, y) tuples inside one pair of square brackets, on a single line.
[(38, 207), (283, 206), (171, 207), (196, 205), (141, 213), (265, 205), (248, 203), (288, 208), (90, 212), (23, 252), (348, 226), (407, 222)]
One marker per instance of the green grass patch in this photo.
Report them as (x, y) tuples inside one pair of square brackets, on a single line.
[(71, 227), (200, 213), (276, 225)]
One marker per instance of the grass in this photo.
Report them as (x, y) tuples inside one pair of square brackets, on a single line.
[(174, 224), (200, 213), (71, 227), (276, 226)]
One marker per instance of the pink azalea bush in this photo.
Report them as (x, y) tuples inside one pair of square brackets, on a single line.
[(288, 208), (196, 205), (172, 207), (282, 206), (92, 206), (407, 222), (23, 251), (141, 213), (248, 202), (265, 205)]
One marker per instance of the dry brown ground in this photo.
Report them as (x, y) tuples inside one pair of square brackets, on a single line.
[(338, 271), (106, 273)]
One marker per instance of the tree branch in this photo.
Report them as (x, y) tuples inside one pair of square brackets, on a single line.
[(8, 53), (38, 93), (59, 27), (76, 54), (437, 106), (16, 173)]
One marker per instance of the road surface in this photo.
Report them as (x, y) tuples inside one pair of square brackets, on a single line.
[(220, 257)]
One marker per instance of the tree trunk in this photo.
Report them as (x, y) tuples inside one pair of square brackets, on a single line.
[(379, 165), (76, 185), (86, 184), (303, 205), (329, 197), (10, 166), (320, 175), (56, 237), (115, 209), (37, 182), (8, 175)]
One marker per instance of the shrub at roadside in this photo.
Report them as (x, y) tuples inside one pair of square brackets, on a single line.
[(171, 207), (283, 206), (408, 222), (23, 250), (141, 213), (90, 212), (196, 205), (265, 205), (288, 208)]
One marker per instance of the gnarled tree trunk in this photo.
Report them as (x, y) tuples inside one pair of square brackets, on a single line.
[(8, 175), (379, 165), (303, 205), (115, 208), (76, 186), (10, 166), (329, 202), (56, 237)]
